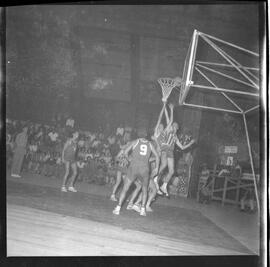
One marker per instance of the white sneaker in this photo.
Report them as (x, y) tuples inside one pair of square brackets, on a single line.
[(164, 189), (149, 209), (72, 189), (113, 198), (143, 213), (159, 193), (129, 206), (116, 210), (63, 189), (136, 208)]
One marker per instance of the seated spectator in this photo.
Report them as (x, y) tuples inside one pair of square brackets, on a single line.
[(59, 167), (99, 176), (70, 122), (90, 169), (81, 164), (204, 191), (120, 130), (111, 139), (81, 141), (45, 168), (53, 135), (247, 202), (236, 171)]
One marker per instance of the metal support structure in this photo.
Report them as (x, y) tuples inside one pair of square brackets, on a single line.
[(220, 51), (238, 64), (217, 87), (211, 108), (225, 75), (251, 109), (251, 162), (190, 64), (225, 65), (224, 90), (230, 44)]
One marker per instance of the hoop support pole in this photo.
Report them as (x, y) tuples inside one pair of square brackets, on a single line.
[(251, 162)]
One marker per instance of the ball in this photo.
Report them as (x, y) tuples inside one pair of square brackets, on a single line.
[(178, 80)]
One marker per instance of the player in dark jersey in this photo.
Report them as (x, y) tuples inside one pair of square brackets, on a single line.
[(69, 159), (138, 169), (152, 191)]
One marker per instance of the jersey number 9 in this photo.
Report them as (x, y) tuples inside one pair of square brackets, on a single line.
[(143, 150)]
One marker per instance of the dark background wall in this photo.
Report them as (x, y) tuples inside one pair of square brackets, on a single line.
[(101, 63), (61, 57)]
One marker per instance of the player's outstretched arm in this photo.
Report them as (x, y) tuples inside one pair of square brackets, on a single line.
[(160, 117), (167, 116), (183, 147), (129, 147), (171, 108), (170, 121)]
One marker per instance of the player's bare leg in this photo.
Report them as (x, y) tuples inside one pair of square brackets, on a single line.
[(137, 205), (168, 176), (67, 167), (73, 177), (134, 194), (144, 198), (151, 195), (163, 165), (118, 182), (127, 184)]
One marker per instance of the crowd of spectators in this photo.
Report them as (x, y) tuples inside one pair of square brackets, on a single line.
[(95, 154)]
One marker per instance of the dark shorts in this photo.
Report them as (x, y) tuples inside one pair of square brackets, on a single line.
[(140, 172), (168, 151)]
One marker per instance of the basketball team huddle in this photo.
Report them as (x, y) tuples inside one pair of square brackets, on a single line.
[(143, 162)]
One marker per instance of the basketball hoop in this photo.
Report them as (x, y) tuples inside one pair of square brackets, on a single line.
[(167, 84)]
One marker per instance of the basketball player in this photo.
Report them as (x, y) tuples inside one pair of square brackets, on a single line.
[(69, 159), (167, 158), (122, 165), (138, 169), (152, 191), (159, 138)]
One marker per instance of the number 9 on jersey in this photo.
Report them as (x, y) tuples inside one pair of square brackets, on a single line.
[(143, 150)]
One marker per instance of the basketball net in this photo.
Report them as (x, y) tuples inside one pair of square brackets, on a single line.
[(167, 84)]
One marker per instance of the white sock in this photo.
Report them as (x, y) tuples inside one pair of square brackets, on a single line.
[(164, 185)]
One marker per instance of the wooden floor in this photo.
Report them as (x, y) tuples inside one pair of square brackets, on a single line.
[(32, 232)]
